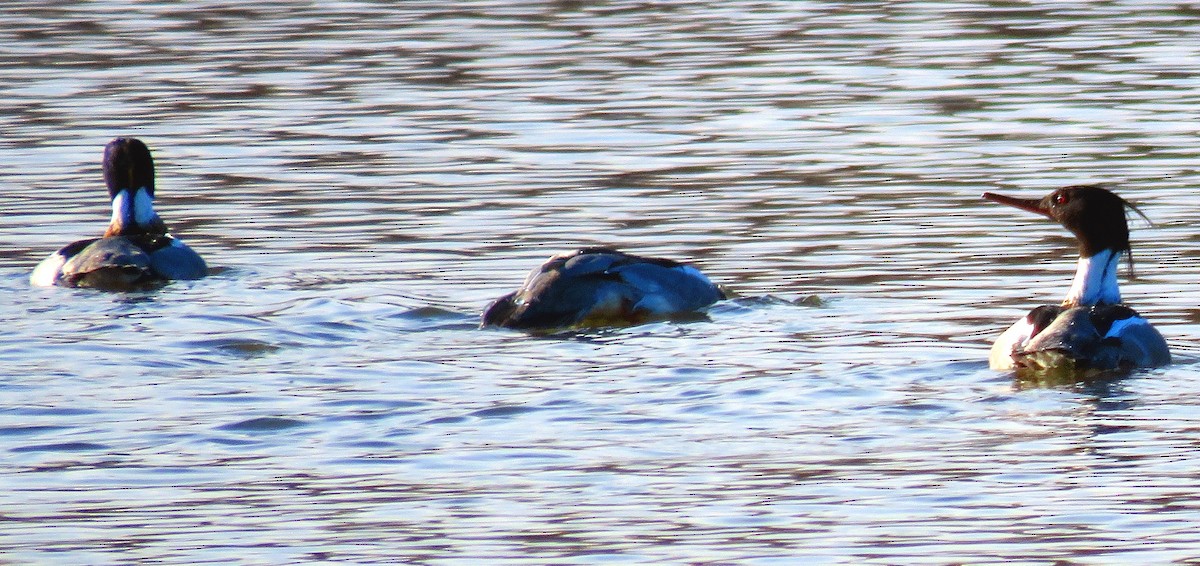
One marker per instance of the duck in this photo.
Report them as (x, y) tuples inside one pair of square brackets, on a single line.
[(136, 252), (599, 287), (1092, 332)]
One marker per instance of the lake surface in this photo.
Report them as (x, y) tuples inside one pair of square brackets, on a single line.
[(364, 177)]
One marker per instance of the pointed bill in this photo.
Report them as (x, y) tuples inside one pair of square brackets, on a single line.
[(1031, 205)]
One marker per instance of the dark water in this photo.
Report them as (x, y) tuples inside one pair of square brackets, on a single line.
[(364, 177)]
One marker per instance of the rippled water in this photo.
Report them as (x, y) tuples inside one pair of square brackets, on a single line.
[(364, 177)]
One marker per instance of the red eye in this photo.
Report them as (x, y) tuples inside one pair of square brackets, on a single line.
[(1061, 199)]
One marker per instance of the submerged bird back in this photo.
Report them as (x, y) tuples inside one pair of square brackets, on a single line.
[(602, 287)]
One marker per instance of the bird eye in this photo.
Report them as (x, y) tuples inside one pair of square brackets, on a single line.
[(1061, 198)]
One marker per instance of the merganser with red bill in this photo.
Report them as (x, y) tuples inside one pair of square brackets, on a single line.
[(1091, 331), (136, 251), (596, 287)]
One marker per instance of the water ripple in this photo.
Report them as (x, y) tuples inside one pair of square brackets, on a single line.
[(364, 178)]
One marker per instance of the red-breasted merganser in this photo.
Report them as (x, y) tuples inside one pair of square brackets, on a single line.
[(602, 287), (1091, 331), (136, 252)]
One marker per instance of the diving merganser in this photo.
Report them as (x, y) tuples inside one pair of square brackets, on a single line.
[(595, 287), (136, 252), (1091, 331)]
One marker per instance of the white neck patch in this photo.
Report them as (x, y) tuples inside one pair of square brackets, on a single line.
[(139, 208), (121, 206), (143, 208), (1096, 280)]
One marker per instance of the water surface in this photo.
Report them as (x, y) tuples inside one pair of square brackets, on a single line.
[(364, 177)]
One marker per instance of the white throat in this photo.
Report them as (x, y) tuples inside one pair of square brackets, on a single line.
[(1096, 280), (139, 208)]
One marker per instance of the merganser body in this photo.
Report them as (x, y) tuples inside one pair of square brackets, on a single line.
[(595, 287), (136, 252), (1091, 331)]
